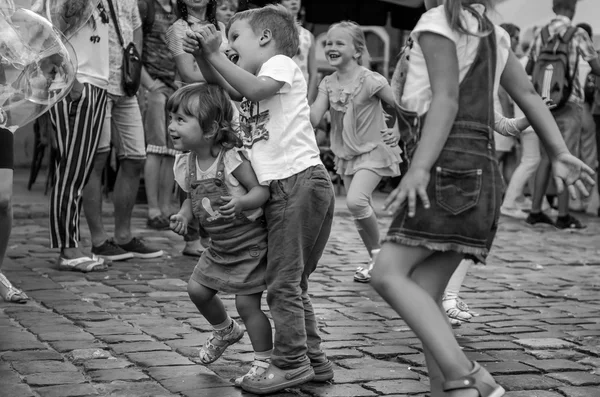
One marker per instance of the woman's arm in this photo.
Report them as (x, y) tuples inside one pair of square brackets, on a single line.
[(313, 72), (188, 69)]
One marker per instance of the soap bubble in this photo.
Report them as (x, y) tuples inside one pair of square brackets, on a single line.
[(68, 16), (37, 66)]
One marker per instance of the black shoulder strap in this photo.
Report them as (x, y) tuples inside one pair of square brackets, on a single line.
[(116, 21), (568, 36), (545, 34)]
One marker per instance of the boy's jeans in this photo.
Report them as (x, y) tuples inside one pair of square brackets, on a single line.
[(299, 215)]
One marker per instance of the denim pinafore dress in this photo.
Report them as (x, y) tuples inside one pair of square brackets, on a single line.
[(236, 260), (466, 187)]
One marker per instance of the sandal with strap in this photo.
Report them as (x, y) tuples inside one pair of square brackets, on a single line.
[(478, 379), (83, 264), (12, 295)]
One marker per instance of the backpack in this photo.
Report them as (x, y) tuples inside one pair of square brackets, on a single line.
[(550, 73)]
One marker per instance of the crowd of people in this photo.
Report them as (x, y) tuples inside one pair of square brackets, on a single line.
[(227, 110)]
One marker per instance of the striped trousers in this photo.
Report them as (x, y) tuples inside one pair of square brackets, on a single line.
[(78, 125)]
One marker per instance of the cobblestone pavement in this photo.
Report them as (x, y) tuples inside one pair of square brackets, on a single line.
[(132, 331)]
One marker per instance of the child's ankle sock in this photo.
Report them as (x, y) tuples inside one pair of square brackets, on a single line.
[(225, 327), (263, 356)]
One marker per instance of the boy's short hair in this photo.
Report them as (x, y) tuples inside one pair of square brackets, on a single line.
[(278, 20), (564, 5)]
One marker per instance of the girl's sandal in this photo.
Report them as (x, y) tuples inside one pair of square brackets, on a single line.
[(478, 379), (84, 264), (12, 295)]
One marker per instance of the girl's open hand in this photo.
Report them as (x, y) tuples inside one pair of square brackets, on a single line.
[(179, 224), (191, 43), (210, 38), (571, 172), (232, 209), (413, 184), (390, 137)]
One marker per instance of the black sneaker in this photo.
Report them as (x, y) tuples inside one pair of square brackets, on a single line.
[(539, 218), (111, 251), (569, 222), (141, 250)]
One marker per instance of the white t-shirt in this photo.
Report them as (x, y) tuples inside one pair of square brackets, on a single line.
[(231, 161), (91, 48), (277, 132), (417, 91)]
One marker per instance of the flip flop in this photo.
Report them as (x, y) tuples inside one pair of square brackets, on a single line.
[(13, 295), (83, 264)]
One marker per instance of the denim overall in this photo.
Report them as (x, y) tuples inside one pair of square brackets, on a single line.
[(466, 186), (236, 260)]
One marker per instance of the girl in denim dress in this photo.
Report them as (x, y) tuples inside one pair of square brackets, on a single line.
[(226, 198), (444, 86), (353, 95)]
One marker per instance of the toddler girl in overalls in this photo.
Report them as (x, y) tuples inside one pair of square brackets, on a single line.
[(444, 86), (226, 198), (354, 95)]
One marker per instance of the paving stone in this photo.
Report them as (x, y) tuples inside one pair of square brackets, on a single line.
[(327, 390), (404, 386), (361, 375), (15, 390), (544, 343), (54, 378), (37, 367), (109, 375), (79, 355), (160, 373), (69, 336), (527, 382), (509, 368), (194, 382), (32, 355), (91, 365), (158, 358), (70, 345), (78, 390), (20, 340), (387, 351), (557, 365), (229, 391), (124, 338), (580, 391), (138, 347), (577, 378), (532, 393), (131, 389)]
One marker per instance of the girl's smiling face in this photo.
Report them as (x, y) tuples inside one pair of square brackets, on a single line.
[(339, 47), (185, 131)]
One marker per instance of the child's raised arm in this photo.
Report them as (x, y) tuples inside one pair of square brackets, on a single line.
[(567, 169), (313, 78), (442, 67), (257, 194)]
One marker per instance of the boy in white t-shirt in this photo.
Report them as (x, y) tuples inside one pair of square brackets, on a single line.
[(281, 145)]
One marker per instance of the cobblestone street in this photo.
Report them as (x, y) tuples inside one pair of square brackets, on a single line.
[(132, 331)]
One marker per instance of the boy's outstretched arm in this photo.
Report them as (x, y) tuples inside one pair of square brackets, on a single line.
[(248, 85)]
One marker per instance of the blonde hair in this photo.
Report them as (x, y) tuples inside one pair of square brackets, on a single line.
[(358, 38), (454, 9)]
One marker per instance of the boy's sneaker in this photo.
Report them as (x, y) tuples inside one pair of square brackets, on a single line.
[(111, 251), (569, 222), (258, 368), (539, 218), (141, 250), (219, 341)]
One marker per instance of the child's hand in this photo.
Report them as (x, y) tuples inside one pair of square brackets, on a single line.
[(191, 43), (232, 209), (549, 104), (210, 38), (413, 184), (179, 224), (570, 171), (390, 137)]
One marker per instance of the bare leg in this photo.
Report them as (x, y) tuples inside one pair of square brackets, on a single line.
[(151, 183), (542, 178), (125, 193), (6, 192), (256, 322), (166, 184), (391, 279), (207, 302), (360, 187), (92, 200)]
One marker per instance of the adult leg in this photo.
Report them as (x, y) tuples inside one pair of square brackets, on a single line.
[(530, 160), (166, 185), (597, 122), (92, 200), (124, 195), (151, 183), (78, 125)]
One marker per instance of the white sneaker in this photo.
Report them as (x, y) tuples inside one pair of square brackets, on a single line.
[(513, 213), (258, 368)]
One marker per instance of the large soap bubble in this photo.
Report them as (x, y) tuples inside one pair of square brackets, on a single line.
[(68, 16), (37, 67)]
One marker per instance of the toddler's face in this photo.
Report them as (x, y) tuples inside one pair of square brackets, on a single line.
[(185, 131), (225, 11), (293, 6)]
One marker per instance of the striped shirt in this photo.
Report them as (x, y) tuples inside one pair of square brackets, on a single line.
[(581, 46)]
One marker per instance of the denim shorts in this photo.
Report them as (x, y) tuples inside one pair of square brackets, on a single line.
[(123, 126), (465, 191)]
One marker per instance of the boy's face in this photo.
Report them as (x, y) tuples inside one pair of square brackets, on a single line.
[(225, 11), (245, 46)]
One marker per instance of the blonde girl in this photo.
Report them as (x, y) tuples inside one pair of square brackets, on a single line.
[(447, 204), (353, 95)]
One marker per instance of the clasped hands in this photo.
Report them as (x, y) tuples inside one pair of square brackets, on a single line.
[(202, 40)]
